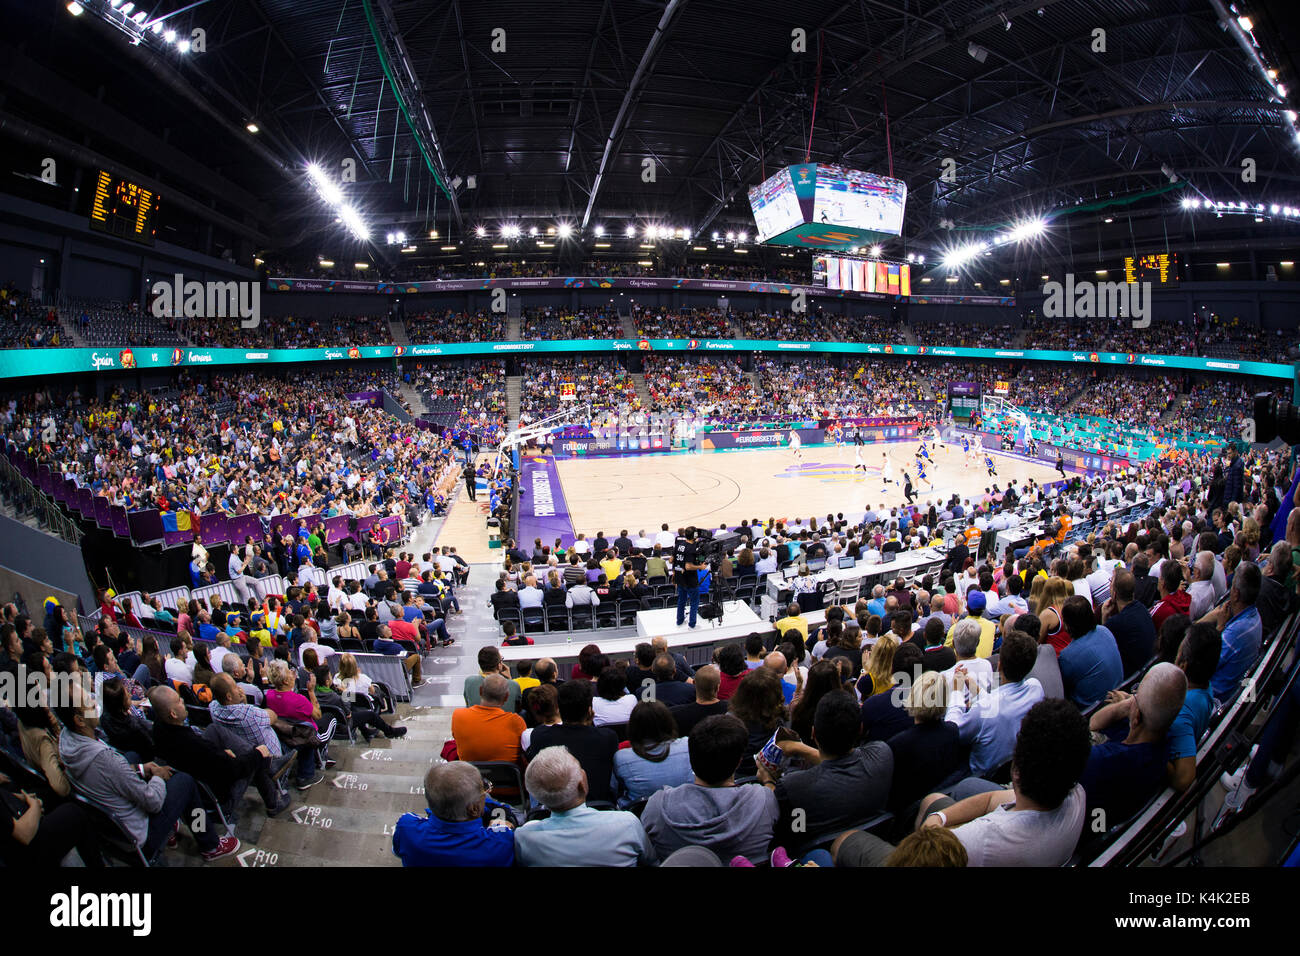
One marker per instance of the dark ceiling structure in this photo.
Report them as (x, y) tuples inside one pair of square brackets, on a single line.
[(459, 114)]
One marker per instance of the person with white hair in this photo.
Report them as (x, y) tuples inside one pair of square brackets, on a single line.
[(452, 831), (1201, 589), (575, 834)]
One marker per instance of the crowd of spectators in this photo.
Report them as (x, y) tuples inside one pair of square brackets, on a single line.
[(289, 331), (710, 387), (25, 323), (993, 707), (436, 327), (681, 323), (600, 382), (968, 335), (552, 324)]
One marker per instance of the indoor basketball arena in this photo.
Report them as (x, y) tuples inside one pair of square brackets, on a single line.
[(586, 406)]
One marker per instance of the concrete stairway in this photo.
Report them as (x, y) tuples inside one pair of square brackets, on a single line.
[(629, 327), (398, 331), (909, 336), (1179, 401), (513, 326), (414, 399), (513, 389), (349, 816), (642, 392)]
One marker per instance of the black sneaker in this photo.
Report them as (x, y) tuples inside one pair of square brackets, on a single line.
[(307, 784), (397, 732)]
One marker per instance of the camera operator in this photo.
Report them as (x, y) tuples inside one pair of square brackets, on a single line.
[(686, 575)]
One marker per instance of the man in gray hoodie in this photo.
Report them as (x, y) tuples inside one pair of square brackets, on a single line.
[(712, 811), (146, 800)]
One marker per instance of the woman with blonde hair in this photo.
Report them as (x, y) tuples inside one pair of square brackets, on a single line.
[(1055, 593), (878, 667), (355, 688)]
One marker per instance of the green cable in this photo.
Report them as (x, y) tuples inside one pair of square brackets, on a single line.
[(401, 104)]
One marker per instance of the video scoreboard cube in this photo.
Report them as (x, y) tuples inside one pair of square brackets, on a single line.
[(123, 209)]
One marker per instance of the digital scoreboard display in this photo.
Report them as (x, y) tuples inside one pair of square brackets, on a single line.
[(822, 205), (964, 399), (1158, 267), (123, 209)]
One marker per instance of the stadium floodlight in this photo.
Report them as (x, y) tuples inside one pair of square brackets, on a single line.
[(156, 27), (1028, 229), (76, 9), (532, 231), (353, 221), (139, 18), (875, 252), (742, 237), (564, 230), (1245, 23), (327, 189), (401, 238), (389, 239), (731, 237), (958, 257), (183, 46), (920, 259), (630, 232), (1187, 202), (170, 36), (127, 8), (480, 231), (717, 235), (599, 232)]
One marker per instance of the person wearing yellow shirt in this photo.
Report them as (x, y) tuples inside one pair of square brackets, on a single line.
[(261, 635), (975, 604), (612, 566), (792, 622)]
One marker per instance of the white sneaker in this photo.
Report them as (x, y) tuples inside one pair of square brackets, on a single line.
[(1231, 781), (1178, 833)]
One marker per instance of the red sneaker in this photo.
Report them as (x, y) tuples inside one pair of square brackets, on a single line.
[(227, 846)]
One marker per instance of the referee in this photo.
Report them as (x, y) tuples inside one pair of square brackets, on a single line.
[(686, 575), (468, 473)]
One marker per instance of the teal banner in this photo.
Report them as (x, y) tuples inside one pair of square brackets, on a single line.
[(19, 363)]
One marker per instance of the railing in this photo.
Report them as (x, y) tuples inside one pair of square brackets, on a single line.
[(26, 499)]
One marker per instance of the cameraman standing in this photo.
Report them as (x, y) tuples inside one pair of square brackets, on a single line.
[(686, 571)]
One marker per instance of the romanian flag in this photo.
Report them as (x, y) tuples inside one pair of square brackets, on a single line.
[(179, 521)]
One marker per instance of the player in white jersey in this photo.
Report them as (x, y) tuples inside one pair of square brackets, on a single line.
[(858, 463), (796, 445), (887, 470)]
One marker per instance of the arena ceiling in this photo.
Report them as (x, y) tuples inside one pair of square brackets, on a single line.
[(554, 111)]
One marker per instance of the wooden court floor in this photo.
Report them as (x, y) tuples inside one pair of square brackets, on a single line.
[(705, 489)]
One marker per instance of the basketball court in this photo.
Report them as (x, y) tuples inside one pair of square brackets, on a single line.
[(706, 489)]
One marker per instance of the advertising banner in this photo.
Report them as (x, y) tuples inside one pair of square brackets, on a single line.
[(17, 363)]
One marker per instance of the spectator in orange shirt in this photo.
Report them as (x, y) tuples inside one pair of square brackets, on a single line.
[(487, 731)]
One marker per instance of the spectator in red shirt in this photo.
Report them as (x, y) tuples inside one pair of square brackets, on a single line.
[(730, 659), (1173, 599)]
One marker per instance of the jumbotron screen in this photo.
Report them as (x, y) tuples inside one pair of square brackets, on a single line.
[(827, 206), (860, 200), (862, 275)]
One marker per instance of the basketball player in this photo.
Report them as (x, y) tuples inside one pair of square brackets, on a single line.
[(858, 463), (886, 471), (988, 463), (796, 445), (1060, 463), (920, 476)]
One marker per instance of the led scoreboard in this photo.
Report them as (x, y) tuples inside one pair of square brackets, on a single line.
[(123, 209), (1159, 267)]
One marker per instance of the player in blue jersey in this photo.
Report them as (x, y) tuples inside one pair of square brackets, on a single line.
[(988, 463)]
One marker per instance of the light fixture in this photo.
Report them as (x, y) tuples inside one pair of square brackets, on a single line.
[(480, 231), (447, 248), (127, 8), (977, 52), (139, 18), (532, 231), (251, 127), (875, 251), (1109, 219), (327, 189), (433, 233), (599, 231), (183, 46), (742, 237), (630, 232), (353, 221), (327, 263), (76, 9), (170, 36), (564, 230), (1223, 265), (361, 265), (1245, 23)]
